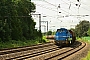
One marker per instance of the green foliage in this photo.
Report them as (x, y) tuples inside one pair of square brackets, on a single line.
[(15, 22), (44, 39), (82, 28), (53, 33), (88, 32), (85, 39), (49, 33), (72, 29), (19, 43)]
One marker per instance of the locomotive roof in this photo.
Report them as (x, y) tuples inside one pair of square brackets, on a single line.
[(62, 29)]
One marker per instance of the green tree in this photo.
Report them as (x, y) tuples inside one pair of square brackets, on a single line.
[(15, 21), (49, 33), (88, 32), (82, 28), (72, 29)]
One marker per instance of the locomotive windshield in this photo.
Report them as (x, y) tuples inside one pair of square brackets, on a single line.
[(59, 30)]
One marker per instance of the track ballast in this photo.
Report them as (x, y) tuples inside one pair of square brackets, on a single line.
[(47, 51)]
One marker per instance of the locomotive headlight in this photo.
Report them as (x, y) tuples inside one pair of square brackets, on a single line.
[(66, 39)]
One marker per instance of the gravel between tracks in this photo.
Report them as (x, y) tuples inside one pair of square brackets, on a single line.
[(80, 54)]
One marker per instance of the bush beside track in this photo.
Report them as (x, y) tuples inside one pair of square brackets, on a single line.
[(84, 39), (19, 43)]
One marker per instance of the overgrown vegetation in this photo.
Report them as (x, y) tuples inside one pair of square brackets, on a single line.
[(85, 39), (46, 40), (19, 43), (17, 27), (82, 29)]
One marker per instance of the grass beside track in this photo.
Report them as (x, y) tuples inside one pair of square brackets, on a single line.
[(87, 57), (86, 39), (14, 43)]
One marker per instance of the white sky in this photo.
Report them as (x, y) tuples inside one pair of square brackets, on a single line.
[(49, 8)]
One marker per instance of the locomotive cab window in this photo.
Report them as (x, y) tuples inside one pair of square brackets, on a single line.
[(58, 30)]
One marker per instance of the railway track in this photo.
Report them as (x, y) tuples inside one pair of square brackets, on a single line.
[(14, 52), (47, 51)]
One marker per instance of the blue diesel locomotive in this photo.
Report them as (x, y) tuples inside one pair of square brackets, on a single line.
[(64, 37)]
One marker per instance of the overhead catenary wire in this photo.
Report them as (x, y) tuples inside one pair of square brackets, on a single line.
[(81, 6), (46, 15), (74, 7), (46, 7), (74, 4), (66, 3), (52, 8), (85, 4), (55, 6), (69, 7), (50, 3)]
